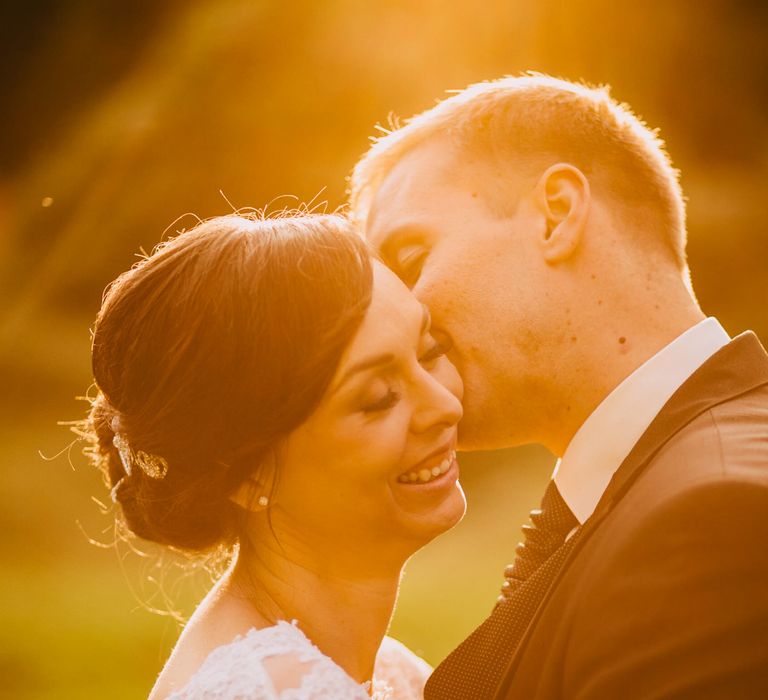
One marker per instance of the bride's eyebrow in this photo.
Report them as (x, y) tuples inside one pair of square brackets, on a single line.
[(377, 361), (385, 358)]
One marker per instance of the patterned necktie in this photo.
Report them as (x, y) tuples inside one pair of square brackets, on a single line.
[(550, 525), (475, 668)]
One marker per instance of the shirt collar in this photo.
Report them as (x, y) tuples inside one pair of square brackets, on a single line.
[(608, 435)]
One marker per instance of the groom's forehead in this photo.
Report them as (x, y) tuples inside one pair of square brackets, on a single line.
[(417, 184)]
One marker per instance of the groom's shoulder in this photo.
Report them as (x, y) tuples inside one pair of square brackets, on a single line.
[(726, 444), (722, 437), (710, 477), (699, 508)]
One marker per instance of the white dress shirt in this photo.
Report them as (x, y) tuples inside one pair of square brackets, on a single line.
[(610, 432)]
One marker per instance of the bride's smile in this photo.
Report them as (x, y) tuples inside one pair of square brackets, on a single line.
[(423, 473)]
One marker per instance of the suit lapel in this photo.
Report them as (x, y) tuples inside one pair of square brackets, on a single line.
[(736, 369)]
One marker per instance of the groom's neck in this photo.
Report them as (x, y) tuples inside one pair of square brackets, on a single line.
[(632, 328)]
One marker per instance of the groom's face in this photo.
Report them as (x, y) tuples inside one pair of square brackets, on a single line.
[(481, 275)]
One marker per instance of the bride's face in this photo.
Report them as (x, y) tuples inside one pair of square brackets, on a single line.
[(374, 466)]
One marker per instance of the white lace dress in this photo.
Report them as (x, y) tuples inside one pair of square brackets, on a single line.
[(280, 663)]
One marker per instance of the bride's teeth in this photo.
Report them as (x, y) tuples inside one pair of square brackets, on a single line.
[(425, 475)]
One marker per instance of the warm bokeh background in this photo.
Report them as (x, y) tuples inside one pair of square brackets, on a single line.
[(120, 116)]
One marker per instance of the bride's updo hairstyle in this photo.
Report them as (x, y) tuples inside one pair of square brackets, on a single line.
[(209, 352)]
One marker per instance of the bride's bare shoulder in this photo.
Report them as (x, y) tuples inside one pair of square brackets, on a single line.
[(213, 626), (192, 649), (259, 665), (219, 621)]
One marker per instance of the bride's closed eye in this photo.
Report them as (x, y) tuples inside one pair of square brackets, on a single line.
[(389, 399), (428, 360)]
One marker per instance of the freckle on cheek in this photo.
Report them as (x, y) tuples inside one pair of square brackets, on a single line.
[(622, 340)]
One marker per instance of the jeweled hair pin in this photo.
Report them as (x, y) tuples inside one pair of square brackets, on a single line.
[(153, 466)]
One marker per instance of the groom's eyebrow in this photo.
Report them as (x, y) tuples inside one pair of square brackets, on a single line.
[(384, 359)]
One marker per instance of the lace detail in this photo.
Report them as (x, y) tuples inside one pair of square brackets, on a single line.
[(399, 674), (280, 663)]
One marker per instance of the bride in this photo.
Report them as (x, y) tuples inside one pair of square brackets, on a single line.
[(266, 386)]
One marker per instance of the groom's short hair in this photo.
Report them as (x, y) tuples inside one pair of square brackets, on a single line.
[(528, 120)]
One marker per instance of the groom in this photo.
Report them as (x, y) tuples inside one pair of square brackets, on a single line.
[(544, 226)]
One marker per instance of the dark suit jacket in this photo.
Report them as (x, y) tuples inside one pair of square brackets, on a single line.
[(665, 593)]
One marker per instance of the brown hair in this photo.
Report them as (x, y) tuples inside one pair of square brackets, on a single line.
[(519, 124), (209, 352)]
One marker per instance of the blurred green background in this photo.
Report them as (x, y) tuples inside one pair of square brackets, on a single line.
[(119, 116)]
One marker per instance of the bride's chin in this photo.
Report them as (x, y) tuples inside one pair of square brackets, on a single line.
[(425, 525)]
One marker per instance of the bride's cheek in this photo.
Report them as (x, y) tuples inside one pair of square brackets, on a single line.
[(386, 437)]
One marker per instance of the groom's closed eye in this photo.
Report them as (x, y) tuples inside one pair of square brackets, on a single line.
[(405, 249), (409, 262)]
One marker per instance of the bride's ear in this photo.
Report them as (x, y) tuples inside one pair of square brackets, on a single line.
[(255, 492), (251, 495)]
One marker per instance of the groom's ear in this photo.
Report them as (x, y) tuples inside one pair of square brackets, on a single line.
[(563, 197)]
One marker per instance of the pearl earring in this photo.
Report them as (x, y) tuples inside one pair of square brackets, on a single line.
[(263, 501)]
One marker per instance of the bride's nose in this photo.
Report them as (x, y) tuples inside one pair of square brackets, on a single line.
[(437, 405)]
